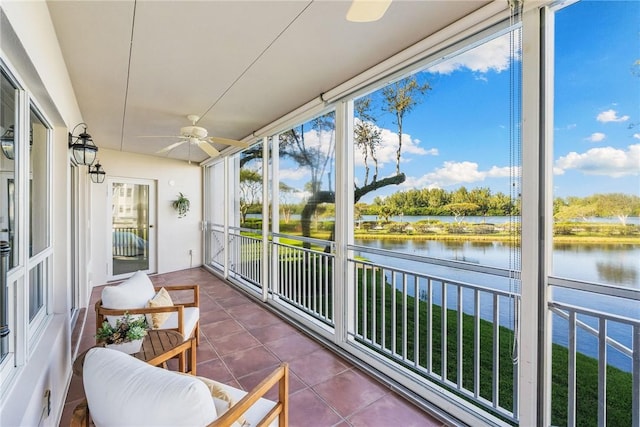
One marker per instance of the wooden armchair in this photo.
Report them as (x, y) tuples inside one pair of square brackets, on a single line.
[(144, 395), (132, 297)]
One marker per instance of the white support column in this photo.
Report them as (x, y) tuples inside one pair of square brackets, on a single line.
[(532, 402), (227, 180), (265, 218), (275, 224), (546, 23), (343, 303)]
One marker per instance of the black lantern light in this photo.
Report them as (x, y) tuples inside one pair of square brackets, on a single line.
[(84, 150), (7, 141), (96, 173)]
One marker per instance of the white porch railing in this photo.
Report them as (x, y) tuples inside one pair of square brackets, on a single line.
[(455, 334), (571, 313), (306, 276), (245, 255), (454, 329)]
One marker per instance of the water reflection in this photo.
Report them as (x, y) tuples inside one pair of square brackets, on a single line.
[(616, 272), (614, 264)]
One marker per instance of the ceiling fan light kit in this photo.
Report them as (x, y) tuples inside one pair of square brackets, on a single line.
[(367, 10)]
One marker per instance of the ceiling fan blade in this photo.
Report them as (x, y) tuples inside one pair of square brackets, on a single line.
[(170, 147), (367, 10), (226, 141), (204, 145)]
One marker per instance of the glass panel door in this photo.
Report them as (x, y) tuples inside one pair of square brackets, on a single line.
[(132, 227)]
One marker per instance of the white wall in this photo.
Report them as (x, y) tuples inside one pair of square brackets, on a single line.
[(175, 236), (29, 44)]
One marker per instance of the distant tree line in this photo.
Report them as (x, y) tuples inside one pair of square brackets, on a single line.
[(475, 202), (617, 205), (438, 202)]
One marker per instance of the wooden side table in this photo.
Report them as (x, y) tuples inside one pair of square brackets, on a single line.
[(159, 346)]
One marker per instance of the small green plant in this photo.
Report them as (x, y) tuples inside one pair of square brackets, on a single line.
[(127, 329), (182, 205)]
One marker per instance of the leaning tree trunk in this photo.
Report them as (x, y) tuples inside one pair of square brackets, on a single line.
[(330, 197), (310, 208)]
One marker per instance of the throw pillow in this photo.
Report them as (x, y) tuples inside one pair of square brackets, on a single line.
[(162, 299), (217, 392), (133, 293)]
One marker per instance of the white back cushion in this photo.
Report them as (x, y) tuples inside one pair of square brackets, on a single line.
[(190, 318), (135, 292), (124, 391)]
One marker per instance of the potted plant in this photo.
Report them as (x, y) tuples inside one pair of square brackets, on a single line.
[(182, 205), (126, 336)]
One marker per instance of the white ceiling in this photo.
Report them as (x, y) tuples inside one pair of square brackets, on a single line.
[(139, 68)]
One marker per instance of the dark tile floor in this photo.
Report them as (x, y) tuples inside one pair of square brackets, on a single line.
[(241, 342)]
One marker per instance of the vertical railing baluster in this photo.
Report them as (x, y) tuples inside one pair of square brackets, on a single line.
[(405, 335), (635, 368), (516, 366), (358, 272), (571, 404), (290, 268), (325, 284), (602, 372), (393, 314), (476, 343), (374, 310), (365, 305), (430, 325), (383, 321), (496, 351), (444, 335), (459, 333), (416, 321)]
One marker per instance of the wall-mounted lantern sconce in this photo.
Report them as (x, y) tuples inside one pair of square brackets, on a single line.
[(96, 173), (7, 141), (84, 150)]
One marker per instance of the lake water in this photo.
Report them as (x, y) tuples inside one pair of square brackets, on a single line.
[(609, 264)]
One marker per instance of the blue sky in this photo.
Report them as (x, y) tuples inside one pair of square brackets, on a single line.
[(459, 133)]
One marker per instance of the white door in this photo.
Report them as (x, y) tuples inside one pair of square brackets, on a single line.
[(133, 234)]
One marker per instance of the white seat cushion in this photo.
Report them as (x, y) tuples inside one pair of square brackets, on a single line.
[(135, 292), (253, 415), (124, 391), (191, 316)]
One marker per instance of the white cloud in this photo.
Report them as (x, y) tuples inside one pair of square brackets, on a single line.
[(386, 151), (610, 116), (453, 173), (293, 174), (636, 135), (606, 161), (491, 56), (596, 137)]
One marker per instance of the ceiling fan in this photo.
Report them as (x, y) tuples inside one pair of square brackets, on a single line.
[(367, 10), (198, 136)]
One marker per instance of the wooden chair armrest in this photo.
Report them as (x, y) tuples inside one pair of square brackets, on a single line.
[(80, 416), (195, 302), (279, 376)]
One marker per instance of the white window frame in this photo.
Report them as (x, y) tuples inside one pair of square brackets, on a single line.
[(25, 334)]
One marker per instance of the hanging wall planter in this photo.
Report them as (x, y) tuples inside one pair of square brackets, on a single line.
[(182, 205)]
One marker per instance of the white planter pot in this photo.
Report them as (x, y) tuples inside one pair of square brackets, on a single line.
[(128, 347)]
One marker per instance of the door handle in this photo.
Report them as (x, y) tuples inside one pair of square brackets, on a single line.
[(151, 226)]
